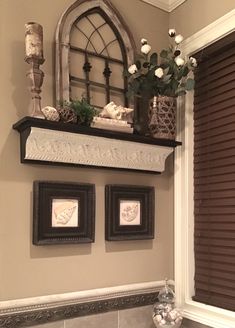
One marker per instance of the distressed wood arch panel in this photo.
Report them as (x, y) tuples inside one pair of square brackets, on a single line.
[(63, 38)]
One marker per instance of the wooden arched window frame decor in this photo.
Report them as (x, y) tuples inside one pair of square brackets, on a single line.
[(89, 66)]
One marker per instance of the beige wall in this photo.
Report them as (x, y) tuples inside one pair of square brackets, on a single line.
[(193, 15), (27, 270)]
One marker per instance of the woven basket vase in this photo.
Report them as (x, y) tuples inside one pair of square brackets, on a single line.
[(162, 117)]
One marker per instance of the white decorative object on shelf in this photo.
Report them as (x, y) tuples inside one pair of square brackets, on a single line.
[(111, 124), (51, 113), (113, 111), (63, 147)]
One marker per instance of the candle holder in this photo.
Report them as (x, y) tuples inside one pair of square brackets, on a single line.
[(34, 57)]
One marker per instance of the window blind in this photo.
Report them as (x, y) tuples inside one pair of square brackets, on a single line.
[(214, 174)]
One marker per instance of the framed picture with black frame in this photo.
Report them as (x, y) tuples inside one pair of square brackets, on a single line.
[(63, 213), (129, 212)]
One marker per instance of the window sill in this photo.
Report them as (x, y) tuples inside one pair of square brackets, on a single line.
[(208, 315), (56, 143)]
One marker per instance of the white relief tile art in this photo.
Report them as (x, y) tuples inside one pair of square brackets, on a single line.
[(65, 213), (130, 212)]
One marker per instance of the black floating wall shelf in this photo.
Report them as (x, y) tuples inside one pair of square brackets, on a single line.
[(57, 143)]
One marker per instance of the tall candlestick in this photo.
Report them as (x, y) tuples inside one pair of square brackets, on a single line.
[(34, 57), (33, 40)]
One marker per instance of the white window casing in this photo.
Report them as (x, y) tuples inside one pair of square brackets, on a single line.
[(183, 190)]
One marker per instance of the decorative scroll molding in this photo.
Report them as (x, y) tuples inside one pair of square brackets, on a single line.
[(29, 312), (71, 311), (167, 5), (59, 146), (57, 143)]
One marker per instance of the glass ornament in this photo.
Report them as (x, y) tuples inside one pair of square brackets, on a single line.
[(165, 315)]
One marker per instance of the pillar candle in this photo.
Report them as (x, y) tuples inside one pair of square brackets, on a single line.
[(33, 40)]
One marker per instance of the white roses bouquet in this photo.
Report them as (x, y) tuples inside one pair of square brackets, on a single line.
[(168, 75)]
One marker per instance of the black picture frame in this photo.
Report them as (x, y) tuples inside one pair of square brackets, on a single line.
[(129, 212), (63, 213)]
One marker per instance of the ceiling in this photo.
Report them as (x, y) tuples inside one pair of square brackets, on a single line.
[(167, 5)]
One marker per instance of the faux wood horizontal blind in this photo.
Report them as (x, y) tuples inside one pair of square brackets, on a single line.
[(214, 174)]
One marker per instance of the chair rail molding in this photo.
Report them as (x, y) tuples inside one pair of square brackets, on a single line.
[(39, 310), (183, 191), (167, 5)]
